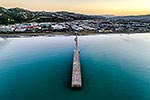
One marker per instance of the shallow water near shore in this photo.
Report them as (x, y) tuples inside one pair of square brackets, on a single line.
[(114, 67)]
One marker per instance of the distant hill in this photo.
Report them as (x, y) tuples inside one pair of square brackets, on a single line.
[(136, 18), (18, 15), (108, 16)]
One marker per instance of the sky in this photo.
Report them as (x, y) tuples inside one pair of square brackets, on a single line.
[(111, 7)]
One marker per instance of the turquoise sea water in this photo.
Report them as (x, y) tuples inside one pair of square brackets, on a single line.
[(114, 67)]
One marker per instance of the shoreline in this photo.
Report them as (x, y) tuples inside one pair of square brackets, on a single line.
[(53, 34)]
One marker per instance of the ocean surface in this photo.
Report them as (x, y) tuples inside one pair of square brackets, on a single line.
[(114, 67)]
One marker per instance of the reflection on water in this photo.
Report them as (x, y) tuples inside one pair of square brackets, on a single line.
[(3, 42)]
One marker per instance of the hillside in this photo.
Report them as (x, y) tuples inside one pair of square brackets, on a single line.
[(18, 15)]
